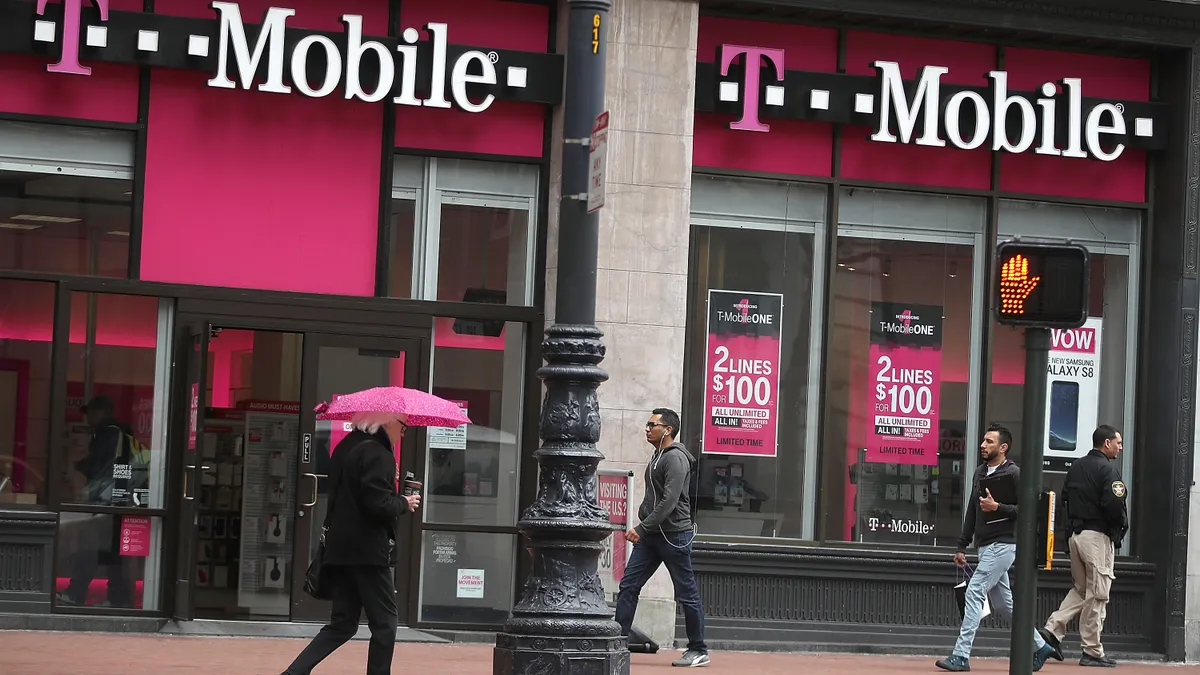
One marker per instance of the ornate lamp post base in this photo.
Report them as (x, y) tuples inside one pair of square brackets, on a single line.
[(562, 625)]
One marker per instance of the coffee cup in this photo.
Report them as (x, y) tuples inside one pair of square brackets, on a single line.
[(412, 486)]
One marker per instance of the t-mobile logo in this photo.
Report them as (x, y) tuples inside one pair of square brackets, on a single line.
[(753, 58), (72, 11)]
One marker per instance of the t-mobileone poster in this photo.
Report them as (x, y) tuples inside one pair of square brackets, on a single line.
[(741, 392), (1073, 393), (905, 383)]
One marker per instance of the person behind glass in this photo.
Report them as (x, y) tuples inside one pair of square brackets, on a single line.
[(664, 535), (993, 526), (99, 539), (360, 544), (1094, 518)]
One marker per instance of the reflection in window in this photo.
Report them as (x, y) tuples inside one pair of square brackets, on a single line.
[(897, 440), (756, 238), (65, 199), (26, 329), (483, 252), (107, 560), (404, 223), (472, 472), (113, 453), (1090, 365)]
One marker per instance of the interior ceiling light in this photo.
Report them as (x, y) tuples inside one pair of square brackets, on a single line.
[(119, 233), (19, 226), (46, 219)]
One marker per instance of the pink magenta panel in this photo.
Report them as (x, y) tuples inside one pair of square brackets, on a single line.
[(1104, 76), (865, 159), (791, 146), (506, 128), (238, 197), (109, 94)]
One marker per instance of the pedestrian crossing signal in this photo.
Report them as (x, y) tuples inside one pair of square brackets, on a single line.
[(1042, 284)]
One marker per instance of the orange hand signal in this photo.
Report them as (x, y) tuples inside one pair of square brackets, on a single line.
[(1016, 285)]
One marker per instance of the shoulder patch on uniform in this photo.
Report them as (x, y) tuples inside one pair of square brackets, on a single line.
[(1118, 489)]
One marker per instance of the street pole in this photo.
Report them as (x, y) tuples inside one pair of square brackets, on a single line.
[(562, 625), (1037, 354)]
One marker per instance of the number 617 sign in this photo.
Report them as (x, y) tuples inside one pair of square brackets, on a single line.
[(742, 374)]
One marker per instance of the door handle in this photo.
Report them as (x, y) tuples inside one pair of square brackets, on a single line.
[(190, 468), (315, 481)]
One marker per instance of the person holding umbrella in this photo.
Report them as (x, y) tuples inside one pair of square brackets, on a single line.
[(360, 548)]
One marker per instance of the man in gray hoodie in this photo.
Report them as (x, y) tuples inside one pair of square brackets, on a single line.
[(664, 535)]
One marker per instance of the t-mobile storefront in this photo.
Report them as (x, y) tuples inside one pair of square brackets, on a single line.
[(851, 178), (214, 216)]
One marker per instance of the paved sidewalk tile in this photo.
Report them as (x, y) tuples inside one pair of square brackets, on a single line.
[(48, 653)]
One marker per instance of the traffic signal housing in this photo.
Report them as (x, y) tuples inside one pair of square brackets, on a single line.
[(1041, 285)]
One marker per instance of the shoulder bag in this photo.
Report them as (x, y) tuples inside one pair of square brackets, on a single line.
[(316, 580)]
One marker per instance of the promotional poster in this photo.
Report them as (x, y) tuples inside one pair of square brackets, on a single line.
[(1073, 392), (741, 392), (613, 492), (905, 383)]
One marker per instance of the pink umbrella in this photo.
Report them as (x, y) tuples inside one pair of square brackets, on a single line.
[(421, 409)]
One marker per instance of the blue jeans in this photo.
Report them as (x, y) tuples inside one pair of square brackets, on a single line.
[(991, 579), (673, 549)]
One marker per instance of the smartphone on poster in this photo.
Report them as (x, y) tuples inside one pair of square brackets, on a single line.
[(1064, 415)]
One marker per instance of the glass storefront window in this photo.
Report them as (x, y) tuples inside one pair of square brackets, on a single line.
[(472, 473), (26, 334), (463, 231), (467, 577), (1092, 367), (65, 199), (114, 450), (107, 560), (898, 406), (760, 240)]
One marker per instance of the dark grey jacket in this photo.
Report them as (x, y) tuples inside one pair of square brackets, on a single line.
[(667, 506)]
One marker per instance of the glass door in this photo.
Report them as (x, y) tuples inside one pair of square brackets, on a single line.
[(192, 348), (336, 365)]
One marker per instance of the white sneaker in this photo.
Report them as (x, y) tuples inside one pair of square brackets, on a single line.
[(692, 659)]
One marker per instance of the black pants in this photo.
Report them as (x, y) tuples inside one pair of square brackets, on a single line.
[(356, 589)]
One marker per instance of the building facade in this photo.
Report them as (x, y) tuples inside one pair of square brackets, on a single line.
[(220, 214)]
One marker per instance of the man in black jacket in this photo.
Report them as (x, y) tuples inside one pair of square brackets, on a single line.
[(993, 526), (1093, 514), (360, 543), (664, 535)]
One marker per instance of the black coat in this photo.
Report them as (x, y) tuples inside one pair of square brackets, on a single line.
[(364, 502)]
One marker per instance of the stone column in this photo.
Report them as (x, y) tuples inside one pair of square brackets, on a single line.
[(641, 292)]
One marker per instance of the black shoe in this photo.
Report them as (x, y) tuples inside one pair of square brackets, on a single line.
[(1097, 661), (955, 664), (1040, 656), (1054, 643)]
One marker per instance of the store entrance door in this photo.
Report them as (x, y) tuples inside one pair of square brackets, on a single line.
[(335, 365), (252, 460)]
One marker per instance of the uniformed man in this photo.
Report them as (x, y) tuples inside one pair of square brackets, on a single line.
[(1093, 513)]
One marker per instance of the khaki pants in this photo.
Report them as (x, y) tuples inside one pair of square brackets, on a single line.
[(1092, 557)]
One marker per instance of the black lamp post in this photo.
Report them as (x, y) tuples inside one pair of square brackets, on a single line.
[(561, 624)]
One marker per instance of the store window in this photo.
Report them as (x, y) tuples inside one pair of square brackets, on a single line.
[(463, 231), (467, 577), (1091, 368), (117, 379), (65, 199), (902, 343), (106, 560), (750, 369), (473, 471), (26, 335)]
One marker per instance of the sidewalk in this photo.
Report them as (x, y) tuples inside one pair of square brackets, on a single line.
[(47, 653)]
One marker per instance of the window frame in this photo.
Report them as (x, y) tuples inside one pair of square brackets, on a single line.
[(429, 197), (810, 508)]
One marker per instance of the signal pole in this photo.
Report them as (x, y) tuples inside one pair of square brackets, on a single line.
[(1041, 286), (1033, 436)]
